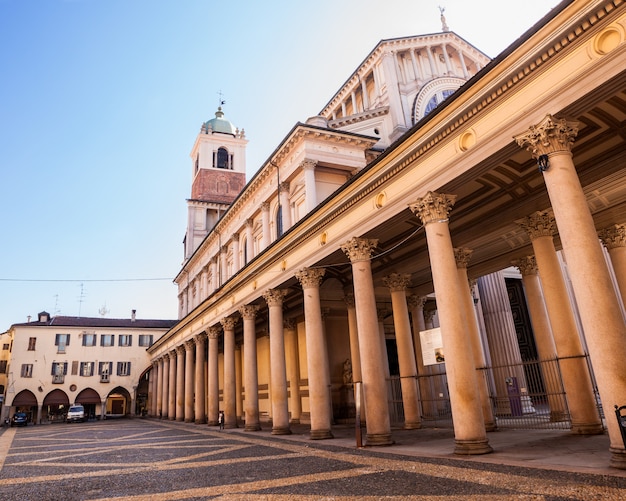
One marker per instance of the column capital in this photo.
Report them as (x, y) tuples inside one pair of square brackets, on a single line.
[(172, 354), (415, 301), (310, 277), (551, 135), (235, 236), (539, 224), (359, 249), (397, 282), (381, 313), (200, 338), (265, 206), (249, 311), (180, 349), (349, 300), (214, 331), (284, 187), (462, 256), (250, 222), (228, 323), (308, 164), (190, 344), (274, 297), (613, 236), (289, 323), (434, 207), (526, 265), (429, 315)]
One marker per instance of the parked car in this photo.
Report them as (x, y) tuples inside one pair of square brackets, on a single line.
[(75, 413), (19, 419)]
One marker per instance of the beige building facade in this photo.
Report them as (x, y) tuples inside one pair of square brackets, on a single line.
[(408, 230)]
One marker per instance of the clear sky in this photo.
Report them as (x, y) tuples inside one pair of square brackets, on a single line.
[(101, 101)]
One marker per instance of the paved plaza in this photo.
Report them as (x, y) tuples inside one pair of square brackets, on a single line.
[(148, 459)]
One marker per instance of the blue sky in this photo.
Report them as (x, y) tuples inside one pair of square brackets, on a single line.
[(101, 101)]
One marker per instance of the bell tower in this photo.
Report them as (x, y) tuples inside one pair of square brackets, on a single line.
[(218, 159)]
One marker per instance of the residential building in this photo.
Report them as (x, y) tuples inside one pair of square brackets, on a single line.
[(444, 239), (100, 363)]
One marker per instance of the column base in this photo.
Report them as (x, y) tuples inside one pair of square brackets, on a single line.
[(281, 431), (372, 439), (491, 426), (587, 429), (320, 434), (172, 418), (212, 422), (294, 421), (618, 458), (252, 427), (180, 419), (472, 447), (558, 416), (412, 426), (230, 426), (189, 420), (200, 421)]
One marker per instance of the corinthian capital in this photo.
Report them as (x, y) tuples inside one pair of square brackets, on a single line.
[(433, 208), (214, 331), (551, 135), (397, 281), (359, 249), (526, 265), (613, 236), (539, 224), (228, 323), (274, 297), (310, 277), (249, 311), (462, 256)]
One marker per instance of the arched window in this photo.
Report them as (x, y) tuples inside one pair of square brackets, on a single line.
[(223, 159)]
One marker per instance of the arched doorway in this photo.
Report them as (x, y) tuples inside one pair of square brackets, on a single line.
[(55, 406), (91, 401), (25, 401), (118, 403)]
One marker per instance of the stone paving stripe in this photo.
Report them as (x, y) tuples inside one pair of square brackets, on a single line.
[(5, 444)]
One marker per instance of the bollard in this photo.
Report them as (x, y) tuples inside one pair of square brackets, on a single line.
[(621, 421)]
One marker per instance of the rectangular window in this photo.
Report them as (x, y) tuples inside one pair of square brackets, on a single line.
[(5, 346), (145, 340), (105, 368), (123, 368), (61, 341), (125, 340), (32, 341), (86, 369), (107, 340), (3, 366), (27, 370), (59, 368), (89, 340)]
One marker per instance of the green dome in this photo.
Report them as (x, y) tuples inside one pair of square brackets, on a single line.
[(220, 124)]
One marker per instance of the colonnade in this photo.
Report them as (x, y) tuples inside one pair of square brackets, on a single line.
[(555, 330)]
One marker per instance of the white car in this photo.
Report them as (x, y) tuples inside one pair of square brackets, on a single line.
[(75, 413)]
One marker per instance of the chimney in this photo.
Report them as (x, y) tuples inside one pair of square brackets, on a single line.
[(132, 315)]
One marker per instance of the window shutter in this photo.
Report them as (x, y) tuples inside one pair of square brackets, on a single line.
[(53, 367)]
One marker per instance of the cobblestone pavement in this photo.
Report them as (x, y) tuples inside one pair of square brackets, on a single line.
[(162, 460)]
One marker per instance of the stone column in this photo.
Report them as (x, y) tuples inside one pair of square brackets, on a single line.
[(166, 386), (171, 398), (540, 227), (278, 372), (189, 383), (598, 304), (614, 239), (250, 373), (469, 425), (503, 345), (265, 219), (462, 256), (159, 395), (308, 166), (381, 313), (285, 206), (154, 377), (378, 426), (180, 383), (316, 353), (543, 336), (293, 369), (200, 391), (238, 383), (397, 284), (354, 338), (230, 404), (214, 380)]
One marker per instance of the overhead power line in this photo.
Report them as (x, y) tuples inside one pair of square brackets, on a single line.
[(84, 279)]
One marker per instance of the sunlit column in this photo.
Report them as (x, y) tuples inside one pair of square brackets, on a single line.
[(180, 383), (200, 391), (189, 383), (265, 220), (250, 372), (614, 239), (214, 380), (378, 426), (230, 404), (249, 239), (293, 369), (238, 383), (354, 337), (171, 398), (285, 205), (166, 386), (278, 372), (308, 166), (317, 356), (541, 227), (598, 304), (236, 258), (159, 394), (154, 376), (469, 426), (397, 284)]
